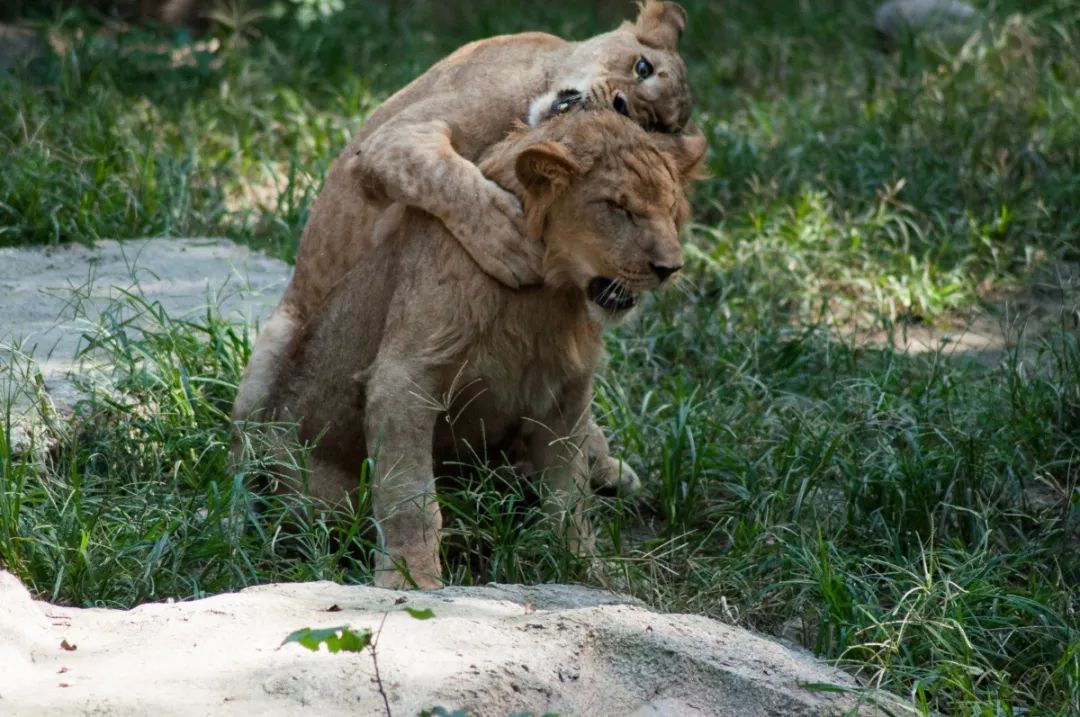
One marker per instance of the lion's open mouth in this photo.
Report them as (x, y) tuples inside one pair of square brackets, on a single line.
[(610, 295)]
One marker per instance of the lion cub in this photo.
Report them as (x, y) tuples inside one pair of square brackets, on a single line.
[(420, 146), (419, 352)]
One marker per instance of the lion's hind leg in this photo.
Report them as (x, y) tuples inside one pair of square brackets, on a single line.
[(254, 400), (254, 394)]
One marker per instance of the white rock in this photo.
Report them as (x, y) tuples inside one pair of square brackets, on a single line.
[(51, 296), (942, 18), (24, 633), (19, 46), (494, 650)]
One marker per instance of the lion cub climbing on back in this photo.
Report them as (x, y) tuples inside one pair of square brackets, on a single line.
[(420, 147), (419, 353)]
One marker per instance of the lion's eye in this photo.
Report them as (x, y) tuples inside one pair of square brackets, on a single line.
[(619, 207), (643, 68)]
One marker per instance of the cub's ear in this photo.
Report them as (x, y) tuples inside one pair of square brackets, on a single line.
[(544, 167), (687, 149), (660, 24)]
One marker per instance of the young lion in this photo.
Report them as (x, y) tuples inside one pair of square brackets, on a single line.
[(418, 148), (418, 351)]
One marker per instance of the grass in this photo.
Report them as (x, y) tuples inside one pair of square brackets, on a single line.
[(915, 517)]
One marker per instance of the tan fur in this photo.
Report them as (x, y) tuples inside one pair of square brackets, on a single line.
[(420, 146), (419, 353)]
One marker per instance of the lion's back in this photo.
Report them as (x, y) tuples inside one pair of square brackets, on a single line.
[(488, 69)]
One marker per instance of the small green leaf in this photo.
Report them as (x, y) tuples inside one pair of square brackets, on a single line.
[(311, 639), (424, 614), (351, 641), (348, 641)]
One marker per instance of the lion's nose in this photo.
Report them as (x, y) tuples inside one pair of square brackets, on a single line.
[(663, 272)]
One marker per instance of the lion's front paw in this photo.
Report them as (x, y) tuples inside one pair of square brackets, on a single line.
[(611, 474), (497, 239)]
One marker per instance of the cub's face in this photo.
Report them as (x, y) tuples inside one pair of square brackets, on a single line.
[(653, 85), (648, 85), (635, 70)]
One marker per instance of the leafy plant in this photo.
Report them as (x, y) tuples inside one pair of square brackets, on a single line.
[(336, 639)]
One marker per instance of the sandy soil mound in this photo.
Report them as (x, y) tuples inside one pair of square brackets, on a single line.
[(493, 650)]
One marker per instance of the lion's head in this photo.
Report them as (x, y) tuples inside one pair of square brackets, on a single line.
[(635, 70), (606, 198)]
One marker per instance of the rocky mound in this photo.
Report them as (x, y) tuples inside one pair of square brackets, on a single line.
[(495, 650)]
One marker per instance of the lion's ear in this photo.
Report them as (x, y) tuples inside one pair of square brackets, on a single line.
[(544, 167), (687, 149), (660, 24)]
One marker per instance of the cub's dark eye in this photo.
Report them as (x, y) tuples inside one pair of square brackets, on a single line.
[(619, 103), (643, 68)]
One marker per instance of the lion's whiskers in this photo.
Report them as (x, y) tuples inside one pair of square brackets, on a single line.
[(608, 291), (685, 285)]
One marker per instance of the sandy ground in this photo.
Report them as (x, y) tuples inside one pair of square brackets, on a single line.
[(493, 651)]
